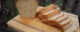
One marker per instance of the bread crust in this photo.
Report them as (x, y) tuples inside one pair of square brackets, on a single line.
[(48, 8), (42, 16), (57, 23), (62, 19)]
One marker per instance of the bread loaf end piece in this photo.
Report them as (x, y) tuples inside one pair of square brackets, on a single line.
[(27, 8)]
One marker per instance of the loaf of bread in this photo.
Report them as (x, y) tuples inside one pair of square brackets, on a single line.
[(27, 8), (54, 17)]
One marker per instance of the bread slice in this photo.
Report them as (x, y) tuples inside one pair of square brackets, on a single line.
[(39, 8), (71, 29), (57, 19), (62, 18), (63, 28), (57, 16), (53, 19), (49, 14), (67, 26), (47, 9), (65, 22), (56, 23), (27, 8)]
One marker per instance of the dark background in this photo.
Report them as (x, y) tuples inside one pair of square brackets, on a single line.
[(8, 10)]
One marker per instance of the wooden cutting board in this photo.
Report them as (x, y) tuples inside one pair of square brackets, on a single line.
[(32, 23), (36, 26)]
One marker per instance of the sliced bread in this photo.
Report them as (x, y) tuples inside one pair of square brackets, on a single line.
[(49, 14), (62, 18), (47, 9), (71, 29), (57, 16), (65, 22), (62, 26), (60, 21)]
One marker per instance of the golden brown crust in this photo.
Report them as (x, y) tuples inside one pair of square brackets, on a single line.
[(54, 24), (48, 8), (41, 16), (54, 13), (60, 16), (63, 19), (57, 24), (65, 23)]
